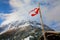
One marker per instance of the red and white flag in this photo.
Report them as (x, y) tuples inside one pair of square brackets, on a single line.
[(35, 10)]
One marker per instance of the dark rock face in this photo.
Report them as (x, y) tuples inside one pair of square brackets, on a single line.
[(20, 32), (51, 36), (1, 29), (54, 37)]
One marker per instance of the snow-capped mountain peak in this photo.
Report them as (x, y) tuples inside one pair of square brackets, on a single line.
[(21, 25)]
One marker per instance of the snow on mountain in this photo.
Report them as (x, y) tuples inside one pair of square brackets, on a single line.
[(21, 25)]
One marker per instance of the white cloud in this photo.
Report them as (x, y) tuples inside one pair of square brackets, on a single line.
[(21, 12), (19, 3), (27, 1), (11, 18), (51, 13), (16, 3), (3, 16)]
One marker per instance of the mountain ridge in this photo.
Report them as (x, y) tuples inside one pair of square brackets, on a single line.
[(17, 24)]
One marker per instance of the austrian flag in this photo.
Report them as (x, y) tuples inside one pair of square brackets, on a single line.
[(34, 12)]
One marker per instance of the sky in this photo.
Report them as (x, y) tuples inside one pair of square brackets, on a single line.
[(17, 10)]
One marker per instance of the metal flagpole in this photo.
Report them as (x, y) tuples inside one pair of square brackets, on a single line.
[(41, 21)]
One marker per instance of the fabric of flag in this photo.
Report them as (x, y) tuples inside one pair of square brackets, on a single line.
[(35, 10)]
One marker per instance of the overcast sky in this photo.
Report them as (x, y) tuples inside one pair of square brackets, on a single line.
[(17, 10)]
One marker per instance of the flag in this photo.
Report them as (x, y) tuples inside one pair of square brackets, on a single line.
[(35, 10)]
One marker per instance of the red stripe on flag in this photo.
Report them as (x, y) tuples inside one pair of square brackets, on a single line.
[(36, 10)]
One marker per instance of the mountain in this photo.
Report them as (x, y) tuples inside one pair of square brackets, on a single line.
[(21, 29)]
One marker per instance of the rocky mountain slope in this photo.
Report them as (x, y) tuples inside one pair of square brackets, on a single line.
[(21, 29)]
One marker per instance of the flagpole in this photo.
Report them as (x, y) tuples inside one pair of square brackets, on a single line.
[(41, 21)]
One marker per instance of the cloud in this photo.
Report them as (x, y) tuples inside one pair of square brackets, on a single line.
[(21, 12), (27, 1), (53, 11), (19, 3), (22, 7), (11, 18), (3, 16), (16, 3), (53, 14)]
